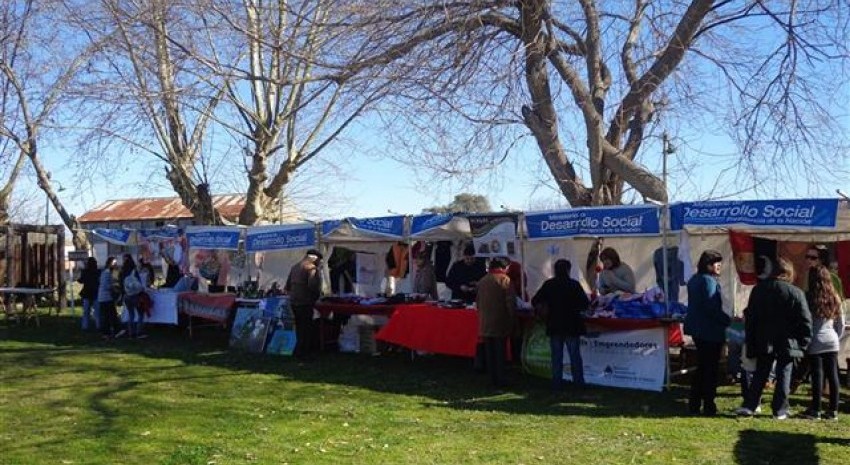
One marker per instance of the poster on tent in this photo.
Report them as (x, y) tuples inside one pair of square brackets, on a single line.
[(633, 359), (494, 235), (161, 244), (213, 248)]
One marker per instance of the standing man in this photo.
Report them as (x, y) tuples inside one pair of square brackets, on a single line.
[(304, 286), (464, 274), (496, 303), (565, 300), (778, 328)]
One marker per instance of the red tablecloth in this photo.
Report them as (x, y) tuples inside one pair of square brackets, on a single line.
[(433, 329), (455, 331), (213, 307)]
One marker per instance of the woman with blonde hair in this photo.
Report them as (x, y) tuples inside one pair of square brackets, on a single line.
[(828, 327), (778, 329)]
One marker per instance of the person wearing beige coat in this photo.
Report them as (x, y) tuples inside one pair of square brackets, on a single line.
[(496, 303)]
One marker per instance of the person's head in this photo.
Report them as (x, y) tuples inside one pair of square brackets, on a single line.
[(784, 270), (91, 263), (469, 254), (610, 258), (817, 255), (422, 260), (128, 262), (314, 255), (823, 299), (498, 263), (709, 262), (562, 268), (110, 263)]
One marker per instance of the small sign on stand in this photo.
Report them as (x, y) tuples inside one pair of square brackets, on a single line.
[(78, 255)]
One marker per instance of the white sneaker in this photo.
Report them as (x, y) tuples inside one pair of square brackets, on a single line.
[(120, 333), (744, 412), (757, 410), (781, 416)]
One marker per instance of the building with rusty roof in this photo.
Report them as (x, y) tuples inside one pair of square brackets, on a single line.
[(154, 212)]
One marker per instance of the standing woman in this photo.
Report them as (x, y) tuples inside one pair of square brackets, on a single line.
[(89, 278), (706, 323), (827, 329), (108, 291), (131, 295)]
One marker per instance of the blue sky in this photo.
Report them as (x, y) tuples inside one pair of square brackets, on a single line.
[(371, 186)]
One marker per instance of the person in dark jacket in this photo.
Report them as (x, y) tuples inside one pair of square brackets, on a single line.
[(304, 287), (464, 275), (706, 323), (89, 278), (564, 300), (778, 328)]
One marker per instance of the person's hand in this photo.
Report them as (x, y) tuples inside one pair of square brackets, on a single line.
[(464, 288)]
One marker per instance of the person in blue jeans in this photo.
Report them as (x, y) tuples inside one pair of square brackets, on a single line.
[(135, 318), (706, 323), (89, 278), (564, 300), (778, 328)]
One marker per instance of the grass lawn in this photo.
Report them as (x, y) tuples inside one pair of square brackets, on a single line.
[(68, 398)]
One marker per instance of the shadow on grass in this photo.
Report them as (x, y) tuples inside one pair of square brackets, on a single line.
[(442, 382), (777, 447)]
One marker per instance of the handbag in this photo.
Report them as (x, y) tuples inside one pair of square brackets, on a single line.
[(145, 303)]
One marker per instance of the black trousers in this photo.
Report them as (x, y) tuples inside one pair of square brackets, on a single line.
[(494, 350), (109, 322), (303, 330), (825, 366), (704, 380)]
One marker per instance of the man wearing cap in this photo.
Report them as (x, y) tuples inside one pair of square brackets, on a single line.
[(304, 286), (464, 275), (496, 303)]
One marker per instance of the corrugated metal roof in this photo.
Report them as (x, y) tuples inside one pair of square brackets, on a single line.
[(161, 208)]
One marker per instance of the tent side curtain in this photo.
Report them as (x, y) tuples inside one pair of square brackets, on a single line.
[(213, 237), (769, 214), (280, 237), (354, 229), (637, 220)]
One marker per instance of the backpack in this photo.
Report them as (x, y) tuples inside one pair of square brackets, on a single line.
[(132, 284)]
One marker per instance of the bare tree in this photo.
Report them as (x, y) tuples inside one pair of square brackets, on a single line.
[(607, 72), (258, 71), (33, 81)]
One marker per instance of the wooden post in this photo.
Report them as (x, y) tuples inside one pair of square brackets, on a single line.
[(61, 286)]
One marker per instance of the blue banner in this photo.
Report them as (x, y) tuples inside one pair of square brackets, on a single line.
[(213, 237), (165, 232), (279, 238), (807, 213), (386, 225), (329, 226), (601, 221), (115, 236), (421, 223)]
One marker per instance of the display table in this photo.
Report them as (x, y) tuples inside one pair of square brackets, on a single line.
[(430, 328), (340, 308), (164, 309), (27, 295), (674, 328), (215, 308)]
